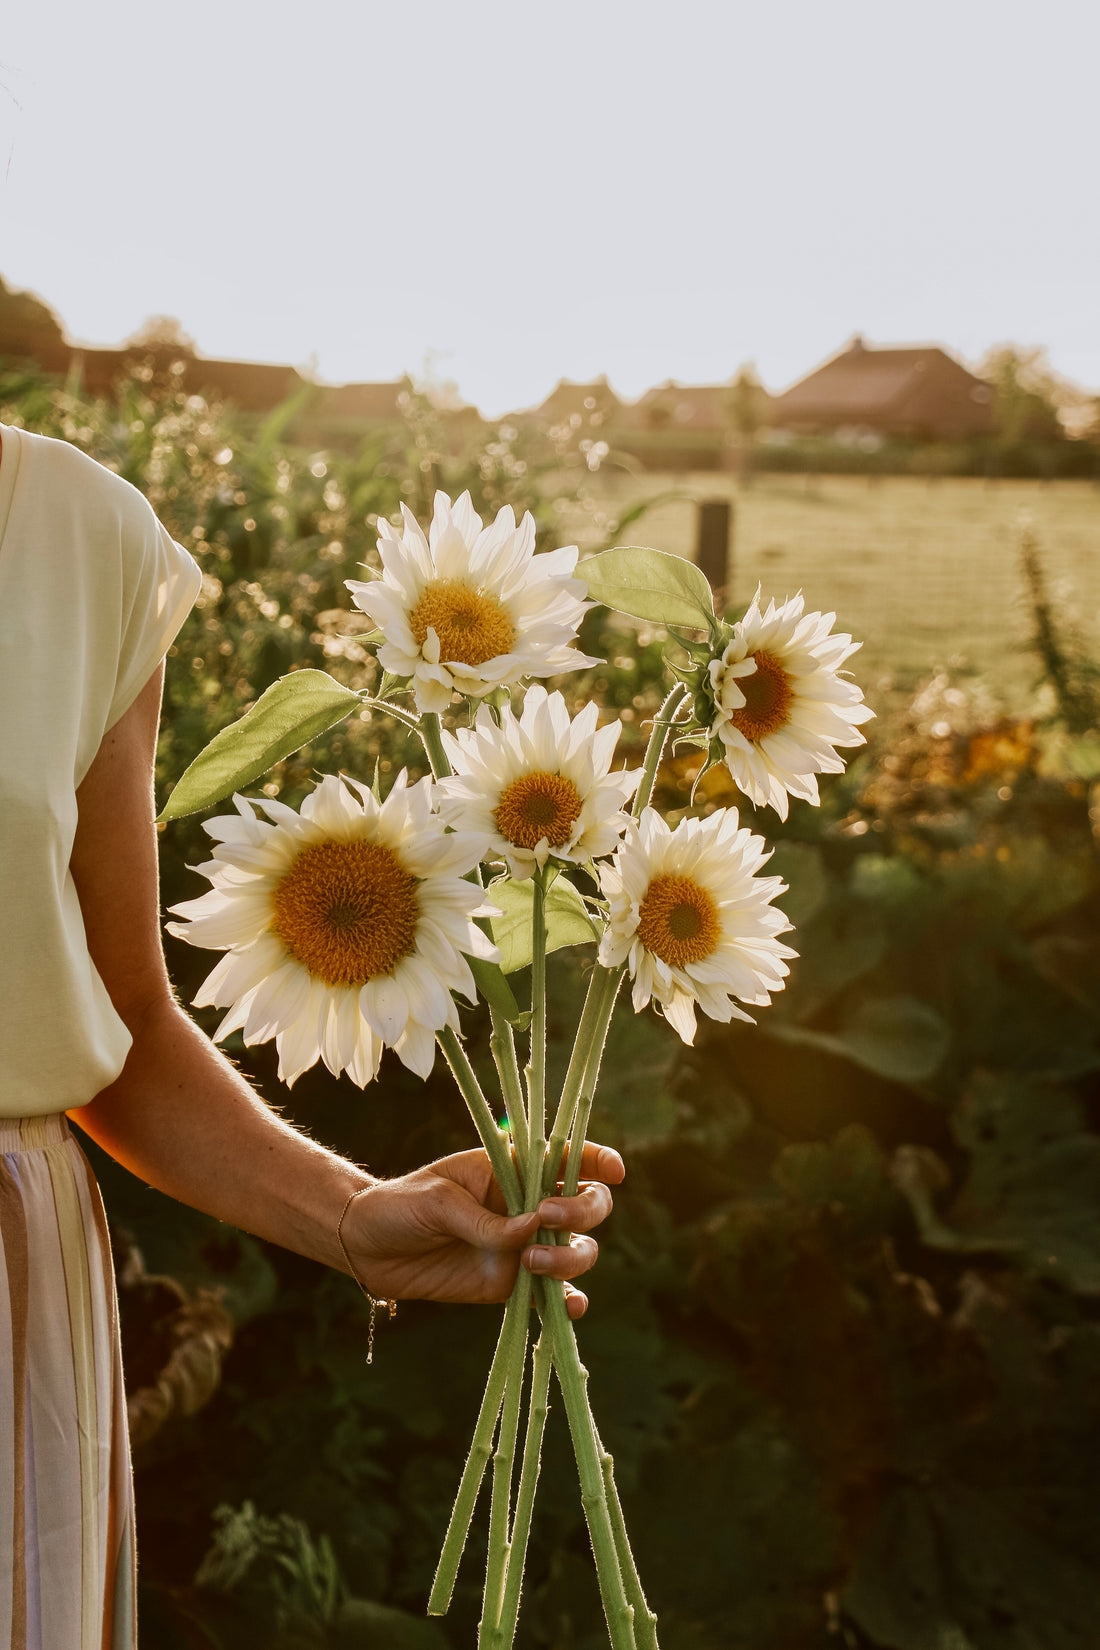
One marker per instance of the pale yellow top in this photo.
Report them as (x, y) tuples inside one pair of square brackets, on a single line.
[(92, 592)]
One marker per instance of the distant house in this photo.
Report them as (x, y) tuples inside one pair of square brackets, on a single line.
[(364, 403), (671, 406), (253, 386), (919, 392), (594, 403)]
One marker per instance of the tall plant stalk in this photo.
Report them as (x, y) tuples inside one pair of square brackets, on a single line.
[(631, 1624)]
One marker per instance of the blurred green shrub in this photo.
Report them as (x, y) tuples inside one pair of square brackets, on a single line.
[(847, 1321)]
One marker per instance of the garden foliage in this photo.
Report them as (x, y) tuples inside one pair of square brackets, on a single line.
[(845, 1333)]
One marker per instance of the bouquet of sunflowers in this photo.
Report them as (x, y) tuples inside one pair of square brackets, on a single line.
[(352, 925)]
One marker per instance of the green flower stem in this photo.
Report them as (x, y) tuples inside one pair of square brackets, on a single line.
[(645, 1622), (573, 1380), (587, 1054), (541, 1366), (502, 1042), (662, 723), (493, 1138), (431, 737), (409, 717), (574, 1076), (480, 1450), (536, 1066), (502, 1045), (515, 1359)]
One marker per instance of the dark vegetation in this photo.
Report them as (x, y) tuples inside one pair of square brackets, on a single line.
[(845, 1338)]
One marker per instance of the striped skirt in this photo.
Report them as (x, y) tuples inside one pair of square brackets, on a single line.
[(67, 1578)]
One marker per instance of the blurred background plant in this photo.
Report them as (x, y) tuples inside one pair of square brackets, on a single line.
[(845, 1329)]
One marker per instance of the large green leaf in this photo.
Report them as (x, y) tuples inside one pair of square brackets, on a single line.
[(649, 584), (897, 1037), (1034, 1183), (286, 716), (567, 921)]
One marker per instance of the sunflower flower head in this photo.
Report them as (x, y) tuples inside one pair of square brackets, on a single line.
[(776, 703), (345, 927), (471, 608), (692, 919), (539, 785)]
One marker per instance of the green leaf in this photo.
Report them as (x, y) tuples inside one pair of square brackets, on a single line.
[(1034, 1182), (494, 989), (567, 921), (286, 716), (897, 1037), (649, 584)]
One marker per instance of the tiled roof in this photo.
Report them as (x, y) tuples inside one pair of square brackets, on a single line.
[(895, 388)]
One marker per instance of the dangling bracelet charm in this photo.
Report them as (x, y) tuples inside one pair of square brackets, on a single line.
[(375, 1305)]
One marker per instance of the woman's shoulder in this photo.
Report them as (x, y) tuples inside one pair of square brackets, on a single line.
[(56, 472)]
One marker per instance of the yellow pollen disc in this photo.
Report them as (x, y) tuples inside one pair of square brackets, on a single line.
[(471, 625), (347, 911), (678, 921), (537, 805), (768, 697)]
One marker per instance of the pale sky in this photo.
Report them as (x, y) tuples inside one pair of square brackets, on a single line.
[(520, 193)]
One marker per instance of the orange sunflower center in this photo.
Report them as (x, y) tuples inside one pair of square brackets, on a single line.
[(678, 921), (472, 626), (768, 698), (537, 805), (347, 911)]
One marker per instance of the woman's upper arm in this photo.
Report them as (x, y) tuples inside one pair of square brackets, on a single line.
[(114, 860)]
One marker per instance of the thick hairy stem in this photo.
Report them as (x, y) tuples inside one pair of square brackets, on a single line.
[(536, 1065), (493, 1138), (662, 723), (541, 1366), (480, 1450), (497, 1560), (502, 1046), (431, 738), (584, 1068), (573, 1380), (645, 1622)]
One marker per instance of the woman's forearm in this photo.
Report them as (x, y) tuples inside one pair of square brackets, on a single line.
[(181, 1118)]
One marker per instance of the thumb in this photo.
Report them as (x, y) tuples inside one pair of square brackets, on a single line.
[(469, 1220)]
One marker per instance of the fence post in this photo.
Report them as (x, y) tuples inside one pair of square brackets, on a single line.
[(714, 546)]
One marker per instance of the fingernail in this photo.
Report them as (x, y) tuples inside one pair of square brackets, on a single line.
[(609, 1159), (538, 1260), (551, 1214)]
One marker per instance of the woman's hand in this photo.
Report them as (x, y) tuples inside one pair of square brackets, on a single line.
[(439, 1233)]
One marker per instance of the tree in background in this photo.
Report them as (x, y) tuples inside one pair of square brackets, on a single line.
[(161, 332), (29, 329), (1031, 402), (745, 414)]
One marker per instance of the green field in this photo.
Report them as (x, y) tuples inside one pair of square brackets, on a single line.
[(925, 574)]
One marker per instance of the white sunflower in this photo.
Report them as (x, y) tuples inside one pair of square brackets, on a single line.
[(781, 706), (344, 926), (692, 919), (472, 608), (539, 785)]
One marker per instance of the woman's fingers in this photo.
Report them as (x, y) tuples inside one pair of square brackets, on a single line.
[(600, 1163), (576, 1302), (564, 1260), (592, 1204)]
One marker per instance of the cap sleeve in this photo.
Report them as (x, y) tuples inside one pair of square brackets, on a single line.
[(160, 585)]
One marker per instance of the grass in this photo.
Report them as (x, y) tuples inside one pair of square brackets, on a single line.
[(924, 574)]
